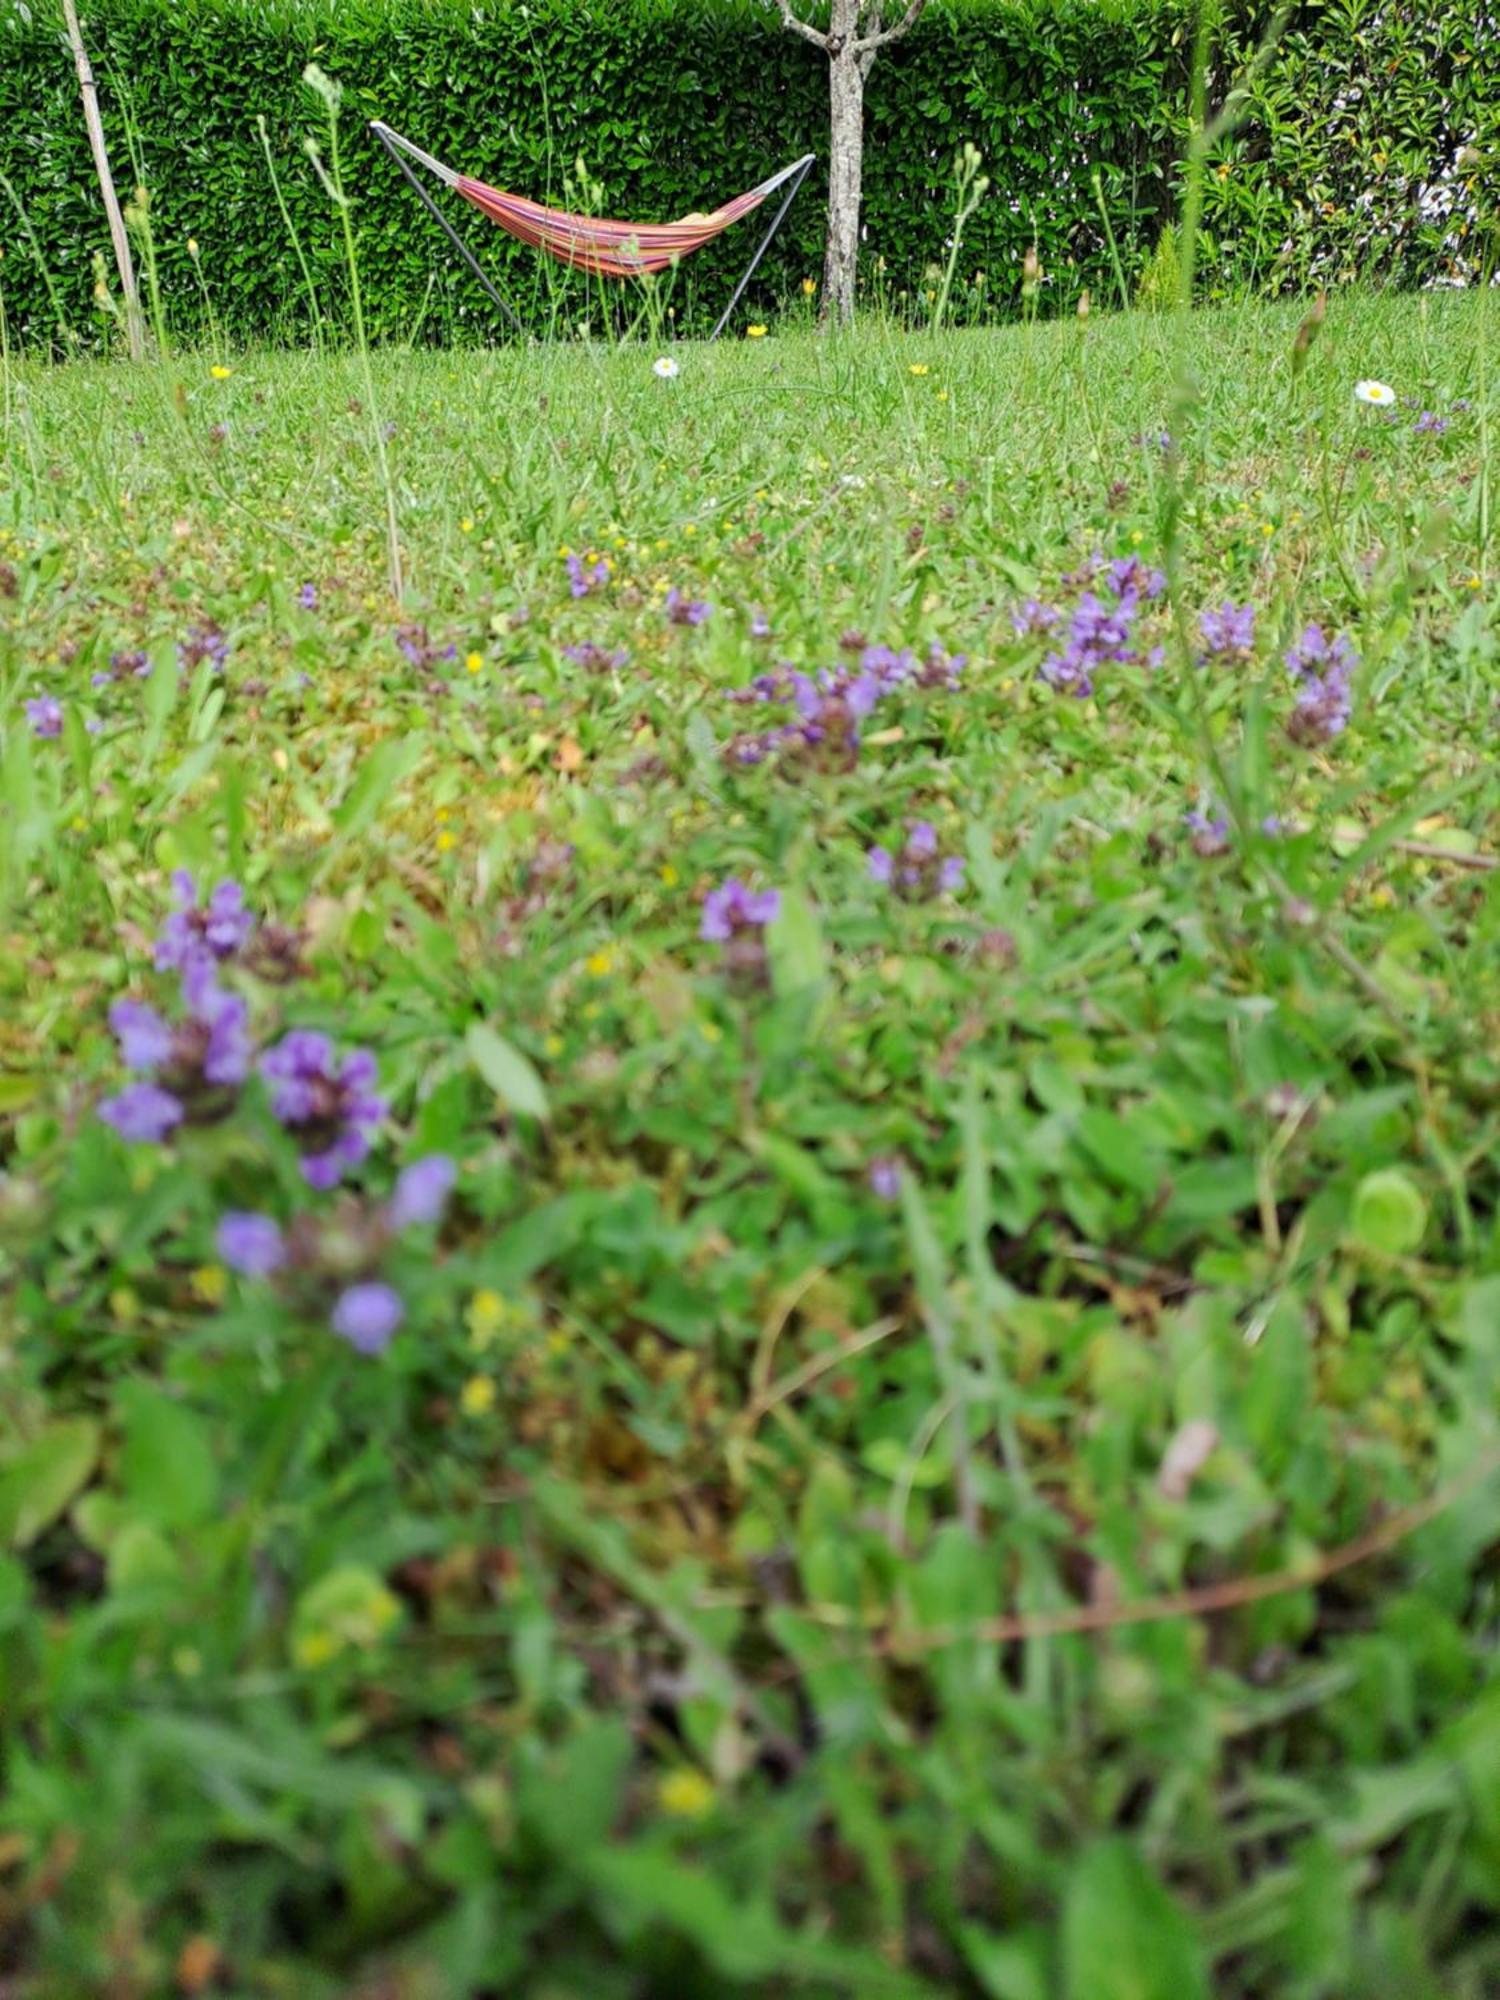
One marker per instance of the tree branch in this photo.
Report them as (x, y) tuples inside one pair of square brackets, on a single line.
[(870, 43), (814, 35)]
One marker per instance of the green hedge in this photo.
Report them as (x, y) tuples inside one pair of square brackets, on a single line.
[(674, 104)]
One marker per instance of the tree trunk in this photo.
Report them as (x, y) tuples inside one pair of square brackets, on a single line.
[(135, 326), (846, 83)]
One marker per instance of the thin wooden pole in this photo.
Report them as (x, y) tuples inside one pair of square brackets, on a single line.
[(135, 325)]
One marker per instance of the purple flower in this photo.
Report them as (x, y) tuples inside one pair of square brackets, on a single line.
[(1430, 424), (216, 1036), (251, 1244), (732, 908), (760, 625), (922, 840), (951, 873), (685, 610), (881, 864), (421, 1191), (142, 1113), (1128, 577), (885, 1178), (367, 1316), (307, 597), (217, 930), (1229, 631), (330, 1109), (1322, 708), (203, 642), (1461, 406), (144, 1037), (1210, 834), (1099, 635), (1316, 653), (45, 716), (597, 659), (582, 581), (1032, 617)]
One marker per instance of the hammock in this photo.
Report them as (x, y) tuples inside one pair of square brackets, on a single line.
[(587, 243)]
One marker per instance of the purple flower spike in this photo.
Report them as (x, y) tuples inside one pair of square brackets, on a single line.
[(1229, 631), (223, 1023), (881, 864), (1032, 617), (1430, 424), (922, 840), (332, 1112), (251, 1244), (307, 597), (144, 1037), (45, 716), (685, 610), (142, 1114), (951, 873), (367, 1316), (732, 907), (885, 1178), (217, 930), (422, 1191)]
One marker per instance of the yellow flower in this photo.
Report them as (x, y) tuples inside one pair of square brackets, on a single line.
[(475, 663), (669, 874), (477, 1396), (220, 374), (466, 526), (192, 246), (919, 368), (209, 1283), (486, 1315), (446, 842), (755, 333), (942, 395), (809, 286), (601, 963), (315, 1649), (553, 1045), (686, 1794)]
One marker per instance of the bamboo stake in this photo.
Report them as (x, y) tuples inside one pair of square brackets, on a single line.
[(135, 325)]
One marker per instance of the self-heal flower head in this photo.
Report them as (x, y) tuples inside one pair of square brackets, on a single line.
[(203, 642), (330, 1108), (367, 1316), (217, 929), (45, 716), (732, 908), (1322, 709), (1033, 617), (760, 625), (885, 1178), (1098, 635), (142, 1113), (1430, 424), (307, 597), (664, 368), (951, 873), (144, 1037), (881, 864), (1315, 653), (1228, 631), (1209, 833), (216, 1035), (422, 1191), (585, 578), (685, 610), (251, 1244), (922, 840), (1379, 394), (1128, 576), (597, 659)]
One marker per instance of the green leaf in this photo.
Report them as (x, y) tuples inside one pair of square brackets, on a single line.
[(1390, 1214), (40, 1480), (794, 943), (379, 775), (1123, 1937), (507, 1072), (167, 1465)]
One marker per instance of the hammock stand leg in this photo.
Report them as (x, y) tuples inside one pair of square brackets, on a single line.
[(451, 233), (763, 246)]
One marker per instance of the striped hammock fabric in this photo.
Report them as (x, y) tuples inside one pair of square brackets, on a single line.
[(606, 249)]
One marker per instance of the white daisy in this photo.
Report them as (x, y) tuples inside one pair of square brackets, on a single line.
[(1379, 393), (665, 367)]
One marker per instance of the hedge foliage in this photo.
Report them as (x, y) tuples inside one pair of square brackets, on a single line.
[(1351, 161)]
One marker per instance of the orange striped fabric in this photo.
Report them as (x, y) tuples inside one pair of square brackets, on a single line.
[(608, 249)]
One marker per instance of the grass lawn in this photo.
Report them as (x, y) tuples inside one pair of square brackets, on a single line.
[(1060, 1176)]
